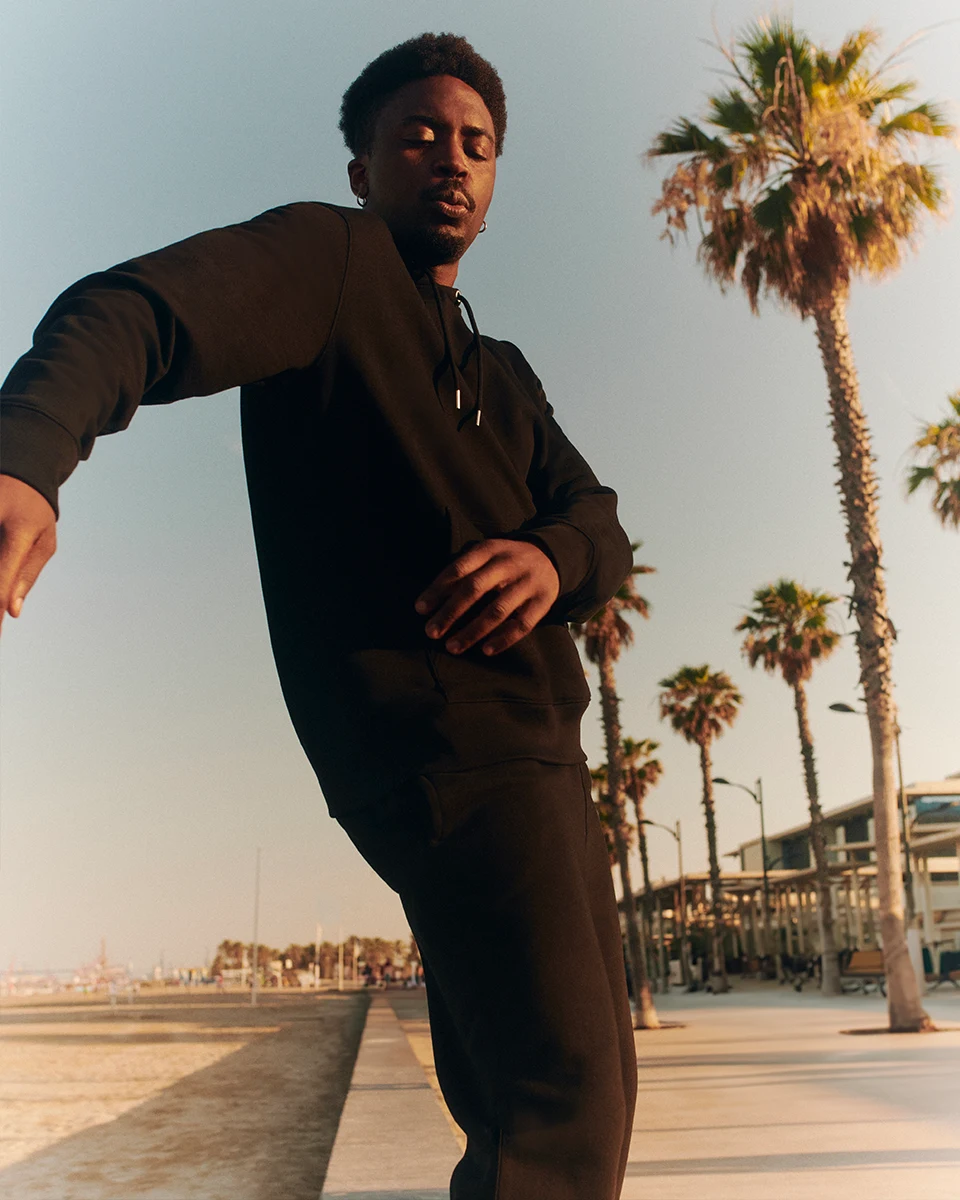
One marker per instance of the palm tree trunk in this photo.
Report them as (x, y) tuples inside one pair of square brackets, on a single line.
[(610, 712), (719, 967), (875, 636), (645, 864), (829, 960)]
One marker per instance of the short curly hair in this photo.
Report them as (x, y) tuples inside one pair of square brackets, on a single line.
[(419, 58)]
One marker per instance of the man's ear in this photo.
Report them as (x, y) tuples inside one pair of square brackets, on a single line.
[(357, 174)]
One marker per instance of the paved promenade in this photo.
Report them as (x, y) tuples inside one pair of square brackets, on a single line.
[(197, 1097), (759, 1096)]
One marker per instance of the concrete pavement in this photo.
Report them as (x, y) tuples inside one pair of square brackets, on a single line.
[(759, 1096), (394, 1141)]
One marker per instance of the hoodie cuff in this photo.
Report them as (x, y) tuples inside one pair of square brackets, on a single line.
[(568, 548), (36, 450)]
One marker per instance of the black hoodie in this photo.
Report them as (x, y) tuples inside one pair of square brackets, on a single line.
[(365, 477)]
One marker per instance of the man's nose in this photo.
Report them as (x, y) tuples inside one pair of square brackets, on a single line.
[(451, 159)]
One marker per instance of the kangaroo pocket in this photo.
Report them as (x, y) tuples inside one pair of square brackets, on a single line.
[(542, 668)]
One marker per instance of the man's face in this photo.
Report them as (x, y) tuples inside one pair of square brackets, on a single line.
[(431, 168)]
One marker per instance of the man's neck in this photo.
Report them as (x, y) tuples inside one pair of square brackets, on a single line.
[(445, 274)]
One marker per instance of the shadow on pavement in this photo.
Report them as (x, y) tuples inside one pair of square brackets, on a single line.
[(258, 1124), (770, 1163)]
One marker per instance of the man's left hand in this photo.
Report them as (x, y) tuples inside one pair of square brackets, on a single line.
[(513, 585)]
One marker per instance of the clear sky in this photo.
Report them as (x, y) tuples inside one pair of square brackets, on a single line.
[(146, 751)]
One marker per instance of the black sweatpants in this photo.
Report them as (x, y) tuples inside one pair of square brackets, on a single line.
[(504, 878)]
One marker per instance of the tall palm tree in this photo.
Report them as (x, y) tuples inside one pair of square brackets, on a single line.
[(807, 180), (938, 448), (700, 704), (605, 635), (641, 771), (789, 630)]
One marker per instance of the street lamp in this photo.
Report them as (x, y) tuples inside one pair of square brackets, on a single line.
[(256, 940), (840, 707), (684, 951), (757, 799)]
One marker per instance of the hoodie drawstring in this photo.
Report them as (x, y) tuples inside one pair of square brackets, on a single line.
[(462, 300), (476, 411)]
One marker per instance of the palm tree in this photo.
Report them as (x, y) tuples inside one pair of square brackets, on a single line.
[(788, 630), (605, 635), (809, 180), (939, 445), (700, 704), (641, 771)]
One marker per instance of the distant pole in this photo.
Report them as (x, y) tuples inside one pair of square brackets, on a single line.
[(316, 957), (256, 919), (340, 958), (911, 906), (758, 800), (763, 851), (907, 854), (684, 947)]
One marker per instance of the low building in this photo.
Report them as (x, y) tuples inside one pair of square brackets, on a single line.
[(931, 879), (681, 907)]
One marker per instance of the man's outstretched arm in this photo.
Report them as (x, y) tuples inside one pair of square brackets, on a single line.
[(218, 310)]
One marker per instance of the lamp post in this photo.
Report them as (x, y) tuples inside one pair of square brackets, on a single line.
[(758, 800), (256, 944), (904, 822), (684, 954)]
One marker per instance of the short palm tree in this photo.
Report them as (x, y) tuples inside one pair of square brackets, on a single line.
[(605, 635), (700, 704), (641, 771), (938, 471), (789, 630), (807, 179)]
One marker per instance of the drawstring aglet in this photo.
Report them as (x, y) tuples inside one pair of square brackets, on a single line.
[(458, 399), (478, 418)]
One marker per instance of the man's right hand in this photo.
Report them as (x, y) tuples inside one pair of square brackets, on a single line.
[(28, 538)]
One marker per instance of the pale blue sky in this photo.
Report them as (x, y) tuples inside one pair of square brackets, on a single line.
[(146, 752)]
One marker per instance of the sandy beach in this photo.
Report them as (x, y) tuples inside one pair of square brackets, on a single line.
[(186, 1096)]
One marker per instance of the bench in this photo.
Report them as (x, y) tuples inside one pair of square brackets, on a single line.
[(949, 971), (864, 968)]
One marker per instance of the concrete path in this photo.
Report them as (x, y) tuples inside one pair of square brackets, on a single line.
[(394, 1141), (759, 1096)]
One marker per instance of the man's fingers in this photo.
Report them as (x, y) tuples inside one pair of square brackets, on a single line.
[(27, 539), (33, 563), (465, 593), (14, 549), (499, 607), (515, 628), (451, 575)]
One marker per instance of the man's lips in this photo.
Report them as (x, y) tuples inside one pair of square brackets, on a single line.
[(450, 203)]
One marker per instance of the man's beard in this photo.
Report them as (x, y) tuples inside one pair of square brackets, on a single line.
[(430, 246)]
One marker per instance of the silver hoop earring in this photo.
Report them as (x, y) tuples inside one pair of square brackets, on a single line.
[(483, 227), (362, 201)]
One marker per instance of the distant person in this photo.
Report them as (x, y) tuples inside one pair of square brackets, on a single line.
[(425, 531)]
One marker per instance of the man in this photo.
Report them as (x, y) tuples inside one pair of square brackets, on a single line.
[(407, 472)]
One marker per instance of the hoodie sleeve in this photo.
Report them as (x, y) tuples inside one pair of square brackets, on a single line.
[(224, 308), (576, 524)]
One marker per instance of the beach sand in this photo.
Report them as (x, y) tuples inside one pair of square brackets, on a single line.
[(188, 1096)]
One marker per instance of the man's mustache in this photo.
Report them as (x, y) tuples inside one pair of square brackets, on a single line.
[(449, 194)]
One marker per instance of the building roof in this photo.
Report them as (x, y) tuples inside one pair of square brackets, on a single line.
[(949, 787)]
